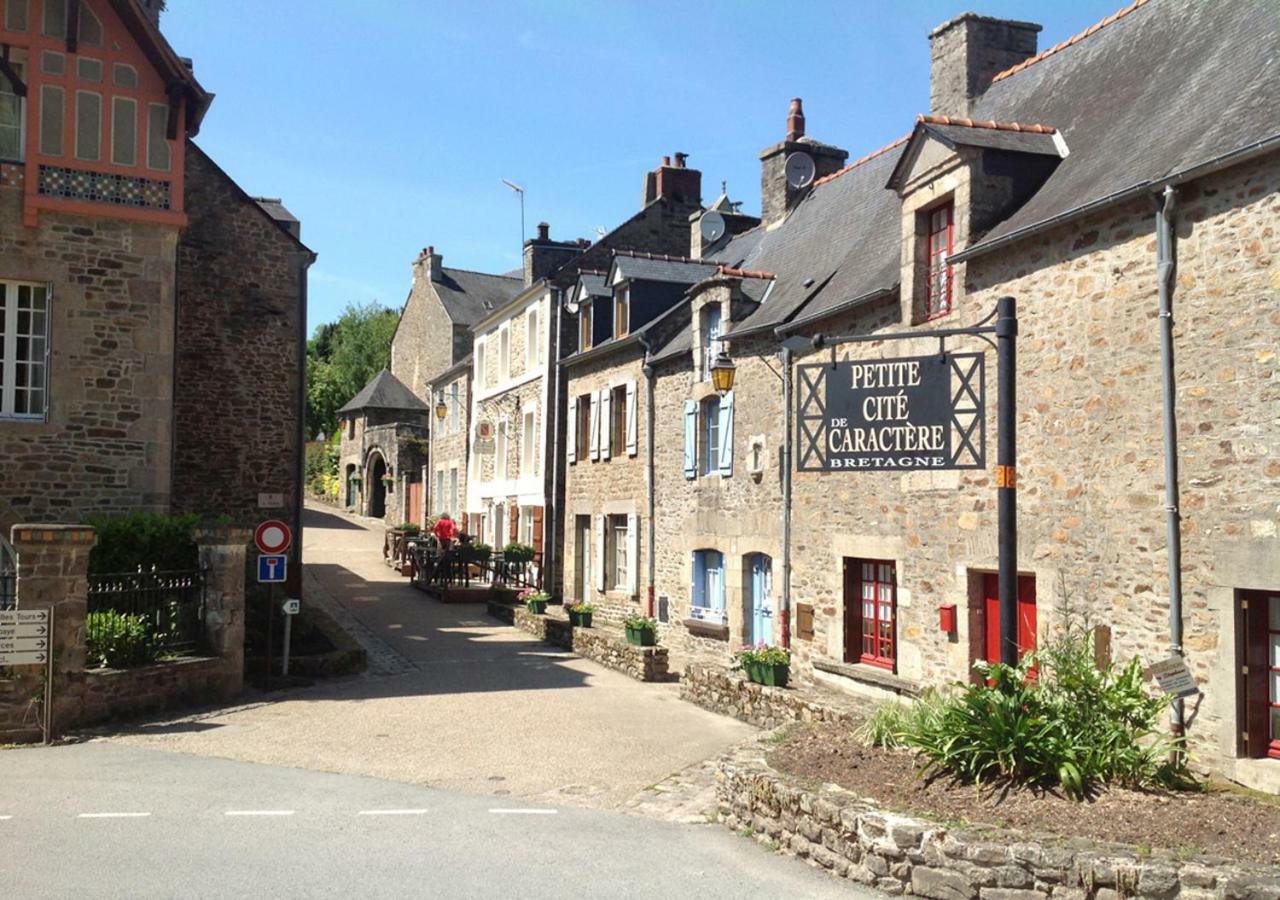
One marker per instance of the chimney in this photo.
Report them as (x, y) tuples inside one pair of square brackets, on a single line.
[(967, 52), (676, 182), (777, 196), (543, 256), (428, 263), (152, 9)]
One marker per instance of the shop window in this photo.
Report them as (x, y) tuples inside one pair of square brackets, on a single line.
[(707, 596), (938, 286), (870, 612), (24, 335)]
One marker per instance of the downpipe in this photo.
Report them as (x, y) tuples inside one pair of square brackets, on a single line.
[(1166, 267), (784, 603), (650, 485)]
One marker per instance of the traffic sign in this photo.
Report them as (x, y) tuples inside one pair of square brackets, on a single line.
[(24, 637), (24, 658), (13, 645), (272, 537), (291, 607), (24, 617), (271, 568)]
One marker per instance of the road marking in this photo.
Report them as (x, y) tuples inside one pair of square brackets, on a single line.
[(259, 812), (5, 818), (524, 812), (114, 815), (392, 812)]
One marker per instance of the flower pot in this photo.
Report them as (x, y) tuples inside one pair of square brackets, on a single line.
[(580, 619), (537, 607), (773, 676), (641, 637)]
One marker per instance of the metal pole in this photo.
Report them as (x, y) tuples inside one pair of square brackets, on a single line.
[(288, 627), (1006, 476), (48, 683), (271, 606)]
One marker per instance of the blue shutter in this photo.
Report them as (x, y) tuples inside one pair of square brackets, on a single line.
[(690, 439), (726, 434), (699, 579), (716, 563)]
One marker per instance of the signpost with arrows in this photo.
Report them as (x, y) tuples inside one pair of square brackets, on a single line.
[(26, 638)]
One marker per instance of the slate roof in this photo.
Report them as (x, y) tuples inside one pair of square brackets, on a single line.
[(1166, 86), (654, 267), (385, 391), (275, 208), (594, 283), (469, 296)]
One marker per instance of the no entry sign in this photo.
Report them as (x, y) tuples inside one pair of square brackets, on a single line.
[(272, 536)]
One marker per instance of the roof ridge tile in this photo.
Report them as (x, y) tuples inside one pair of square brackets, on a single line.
[(743, 273), (1075, 38), (985, 123)]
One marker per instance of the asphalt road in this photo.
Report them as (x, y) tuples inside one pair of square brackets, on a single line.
[(105, 821)]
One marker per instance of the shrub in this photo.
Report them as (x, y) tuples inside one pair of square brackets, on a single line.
[(1068, 724), (321, 462), (477, 552), (517, 553), (144, 539), (886, 726), (119, 641), (409, 527)]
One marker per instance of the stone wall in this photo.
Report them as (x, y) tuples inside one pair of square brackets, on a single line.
[(105, 445), (241, 320), (730, 694), (427, 341), (605, 645), (449, 448), (835, 830), (108, 694)]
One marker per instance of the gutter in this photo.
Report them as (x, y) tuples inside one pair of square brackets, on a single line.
[(796, 324), (650, 376), (1217, 163)]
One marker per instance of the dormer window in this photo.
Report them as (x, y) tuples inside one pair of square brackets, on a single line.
[(584, 324), (938, 261), (621, 311), (710, 338)]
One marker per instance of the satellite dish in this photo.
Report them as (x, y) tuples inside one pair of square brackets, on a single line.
[(800, 170), (571, 305), (712, 226)]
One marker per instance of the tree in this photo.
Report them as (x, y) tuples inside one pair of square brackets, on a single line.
[(342, 357)]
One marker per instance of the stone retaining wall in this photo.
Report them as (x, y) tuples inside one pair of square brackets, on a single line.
[(833, 829), (106, 694), (607, 646), (730, 694)]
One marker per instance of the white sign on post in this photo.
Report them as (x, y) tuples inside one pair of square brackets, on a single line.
[(1174, 678), (24, 637), (291, 607)]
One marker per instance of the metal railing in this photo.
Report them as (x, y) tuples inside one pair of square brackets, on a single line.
[(170, 607), (454, 569), (8, 589)]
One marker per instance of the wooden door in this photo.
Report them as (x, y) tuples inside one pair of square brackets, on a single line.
[(1259, 688), (990, 619), (413, 508)]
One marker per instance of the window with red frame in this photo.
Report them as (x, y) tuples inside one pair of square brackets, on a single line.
[(870, 611), (937, 300), (1259, 628)]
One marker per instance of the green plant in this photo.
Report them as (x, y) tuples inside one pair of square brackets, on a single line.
[(476, 552), (761, 655), (640, 623), (409, 527), (886, 726), (529, 594), (119, 641), (143, 539), (583, 607), (517, 553)]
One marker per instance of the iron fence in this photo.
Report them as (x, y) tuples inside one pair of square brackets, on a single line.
[(165, 610), (8, 589)]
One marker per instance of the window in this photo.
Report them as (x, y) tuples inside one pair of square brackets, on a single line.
[(618, 418), (707, 602), (88, 126), (618, 576), (504, 355), (710, 338), (621, 311), (710, 435), (501, 465), (52, 63), (89, 69), (51, 118), (528, 445), (453, 492), (584, 324), (11, 119), (55, 18), (526, 525), (584, 426), (938, 281), (24, 334), (124, 131), (532, 349), (158, 137), (351, 428), (440, 507), (455, 405), (1259, 623), (482, 374), (15, 15), (90, 26), (870, 606), (124, 76)]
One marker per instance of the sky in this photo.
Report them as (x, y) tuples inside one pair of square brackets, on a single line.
[(388, 125)]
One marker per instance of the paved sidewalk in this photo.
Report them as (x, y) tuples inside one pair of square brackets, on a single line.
[(454, 700)]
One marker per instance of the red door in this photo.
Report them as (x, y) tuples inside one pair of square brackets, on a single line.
[(991, 615), (413, 503)]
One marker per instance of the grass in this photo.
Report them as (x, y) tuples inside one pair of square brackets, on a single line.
[(746, 831)]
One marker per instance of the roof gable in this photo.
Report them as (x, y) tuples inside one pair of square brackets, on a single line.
[(385, 391)]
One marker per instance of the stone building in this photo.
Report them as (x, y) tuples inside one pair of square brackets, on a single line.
[(117, 302), (449, 455), (1036, 176), (381, 453)]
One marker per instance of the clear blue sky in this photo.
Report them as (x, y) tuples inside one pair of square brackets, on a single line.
[(386, 125)]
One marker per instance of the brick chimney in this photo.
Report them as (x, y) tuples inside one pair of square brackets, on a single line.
[(429, 264), (542, 256), (152, 8), (674, 181), (967, 52), (777, 197)]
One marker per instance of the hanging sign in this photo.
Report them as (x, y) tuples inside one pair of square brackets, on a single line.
[(919, 412), (1173, 677)]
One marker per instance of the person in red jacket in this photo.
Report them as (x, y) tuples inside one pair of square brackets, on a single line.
[(446, 532)]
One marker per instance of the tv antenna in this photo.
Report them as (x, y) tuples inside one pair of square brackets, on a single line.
[(519, 190)]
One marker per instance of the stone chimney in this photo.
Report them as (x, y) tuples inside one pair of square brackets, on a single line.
[(675, 182), (429, 264), (967, 52), (152, 8), (735, 223), (543, 256), (777, 197)]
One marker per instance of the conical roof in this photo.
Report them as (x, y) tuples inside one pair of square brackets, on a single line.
[(385, 391)]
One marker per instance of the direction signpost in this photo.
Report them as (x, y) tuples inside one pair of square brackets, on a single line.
[(25, 636)]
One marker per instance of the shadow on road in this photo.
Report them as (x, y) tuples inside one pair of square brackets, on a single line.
[(314, 518)]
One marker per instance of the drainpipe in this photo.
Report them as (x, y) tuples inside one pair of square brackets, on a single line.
[(650, 486), (1165, 270), (551, 512), (784, 605)]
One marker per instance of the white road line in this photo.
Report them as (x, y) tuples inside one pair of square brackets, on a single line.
[(392, 812), (114, 815), (524, 812), (259, 812), (5, 818)]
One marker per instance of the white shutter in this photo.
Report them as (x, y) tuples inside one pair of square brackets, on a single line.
[(633, 559), (606, 422), (595, 426), (632, 415), (690, 439), (571, 435), (602, 527), (726, 435)]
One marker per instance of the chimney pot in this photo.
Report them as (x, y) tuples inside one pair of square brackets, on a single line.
[(666, 160), (680, 158), (795, 120), (544, 231)]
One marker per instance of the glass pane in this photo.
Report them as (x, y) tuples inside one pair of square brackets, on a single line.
[(89, 69), (868, 572), (1275, 650), (886, 573), (1275, 687), (1275, 724), (90, 27), (88, 126), (55, 18), (53, 63), (15, 15), (1273, 613), (51, 117), (124, 132)]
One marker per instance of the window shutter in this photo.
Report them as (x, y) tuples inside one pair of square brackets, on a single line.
[(606, 422), (632, 443), (571, 439), (633, 559), (698, 596), (602, 528), (715, 573), (690, 439), (537, 529), (726, 435), (513, 524), (595, 426)]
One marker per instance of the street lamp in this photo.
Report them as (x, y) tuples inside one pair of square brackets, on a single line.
[(442, 409), (722, 372)]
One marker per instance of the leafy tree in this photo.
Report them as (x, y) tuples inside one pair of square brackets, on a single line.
[(342, 357)]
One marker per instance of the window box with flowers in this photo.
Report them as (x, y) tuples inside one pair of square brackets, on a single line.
[(641, 632), (764, 664), (580, 613), (534, 601)]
